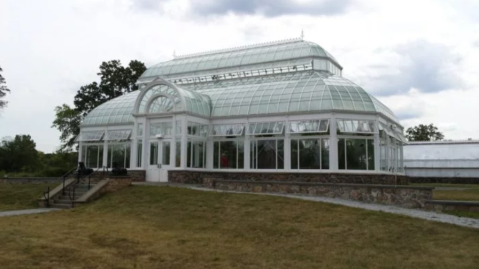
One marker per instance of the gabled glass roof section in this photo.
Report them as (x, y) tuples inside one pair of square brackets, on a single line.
[(241, 56)]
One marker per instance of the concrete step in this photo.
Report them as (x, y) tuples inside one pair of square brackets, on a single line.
[(60, 205), (63, 201)]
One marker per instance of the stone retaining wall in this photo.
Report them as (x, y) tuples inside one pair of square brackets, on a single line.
[(448, 180), (31, 180), (443, 205), (196, 177), (410, 197)]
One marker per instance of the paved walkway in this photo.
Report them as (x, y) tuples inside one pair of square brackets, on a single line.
[(415, 213), (26, 212)]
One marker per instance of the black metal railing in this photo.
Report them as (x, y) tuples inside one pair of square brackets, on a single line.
[(46, 195), (65, 176), (72, 189)]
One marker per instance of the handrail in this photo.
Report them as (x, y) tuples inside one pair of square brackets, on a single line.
[(46, 195), (89, 176), (64, 178)]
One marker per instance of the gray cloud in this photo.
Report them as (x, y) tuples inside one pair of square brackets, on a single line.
[(426, 66), (268, 8)]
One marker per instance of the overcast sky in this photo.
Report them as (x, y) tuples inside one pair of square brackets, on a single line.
[(419, 57)]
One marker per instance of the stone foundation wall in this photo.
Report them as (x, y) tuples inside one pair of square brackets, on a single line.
[(441, 205), (410, 197), (117, 183), (196, 177), (445, 180), (31, 180)]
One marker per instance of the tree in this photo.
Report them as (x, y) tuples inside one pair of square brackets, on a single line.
[(424, 133), (67, 121), (115, 80), (3, 90), (18, 154)]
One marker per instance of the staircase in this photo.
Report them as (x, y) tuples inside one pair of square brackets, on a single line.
[(71, 194)]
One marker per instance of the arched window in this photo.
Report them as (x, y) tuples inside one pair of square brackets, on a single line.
[(161, 104)]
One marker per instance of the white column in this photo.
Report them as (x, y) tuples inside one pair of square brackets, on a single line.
[(184, 141), (247, 152), (377, 149), (105, 153), (173, 144), (210, 147), (287, 150), (134, 146), (333, 145), (145, 161), (80, 150), (388, 153)]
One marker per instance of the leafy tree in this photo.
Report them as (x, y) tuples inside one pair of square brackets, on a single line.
[(18, 154), (67, 121), (3, 90), (115, 80), (424, 133)]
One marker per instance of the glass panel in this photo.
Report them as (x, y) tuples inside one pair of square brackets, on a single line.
[(153, 153), (294, 154), (309, 154), (164, 128), (370, 154), (196, 154), (127, 155), (92, 136), (119, 135), (216, 155), (117, 155), (140, 154), (227, 130), (341, 154), (178, 127), (178, 154), (324, 153), (267, 154), (93, 156), (260, 128), (308, 126), (356, 126), (356, 156), (140, 129), (166, 152), (197, 129)]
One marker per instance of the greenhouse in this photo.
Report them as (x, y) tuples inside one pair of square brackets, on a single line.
[(278, 107)]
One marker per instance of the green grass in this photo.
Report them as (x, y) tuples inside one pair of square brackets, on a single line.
[(166, 227), (20, 196), (473, 186), (463, 195)]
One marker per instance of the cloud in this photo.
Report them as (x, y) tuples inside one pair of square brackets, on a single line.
[(268, 8), (425, 66)]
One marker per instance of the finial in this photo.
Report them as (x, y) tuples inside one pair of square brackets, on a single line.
[(174, 54), (302, 34)]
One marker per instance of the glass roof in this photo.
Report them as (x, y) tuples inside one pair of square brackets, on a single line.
[(296, 92), (116, 111), (248, 55), (119, 110)]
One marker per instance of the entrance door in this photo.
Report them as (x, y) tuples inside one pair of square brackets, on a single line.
[(159, 161)]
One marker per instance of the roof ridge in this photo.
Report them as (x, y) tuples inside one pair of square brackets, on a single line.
[(239, 48)]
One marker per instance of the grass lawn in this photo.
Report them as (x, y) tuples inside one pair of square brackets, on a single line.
[(166, 227), (472, 186), (21, 196)]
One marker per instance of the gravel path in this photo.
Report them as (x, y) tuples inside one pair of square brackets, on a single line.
[(415, 213), (26, 212)]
